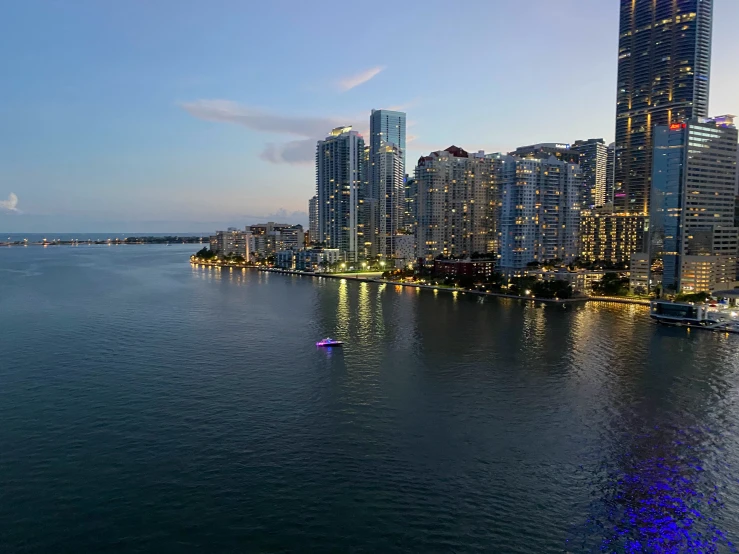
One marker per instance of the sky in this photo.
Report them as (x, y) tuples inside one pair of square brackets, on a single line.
[(192, 115)]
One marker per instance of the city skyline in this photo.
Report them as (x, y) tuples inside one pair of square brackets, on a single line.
[(152, 131)]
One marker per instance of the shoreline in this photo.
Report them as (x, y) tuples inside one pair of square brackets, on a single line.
[(360, 279), (108, 242)]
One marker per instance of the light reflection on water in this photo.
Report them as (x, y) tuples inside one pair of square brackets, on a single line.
[(194, 404)]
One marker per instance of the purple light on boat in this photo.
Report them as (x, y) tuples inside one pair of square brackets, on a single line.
[(329, 342)]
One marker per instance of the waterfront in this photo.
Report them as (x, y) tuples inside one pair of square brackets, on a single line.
[(151, 406)]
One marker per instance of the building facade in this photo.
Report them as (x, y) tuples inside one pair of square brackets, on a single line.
[(664, 65), (610, 173), (340, 175), (693, 200), (231, 242), (313, 219), (405, 250), (268, 238), (593, 162), (387, 166), (545, 150), (385, 198), (454, 204), (539, 210), (611, 237), (480, 269), (411, 196)]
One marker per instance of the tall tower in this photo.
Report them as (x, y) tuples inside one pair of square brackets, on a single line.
[(664, 65), (693, 201), (386, 190), (313, 219), (339, 177), (594, 166)]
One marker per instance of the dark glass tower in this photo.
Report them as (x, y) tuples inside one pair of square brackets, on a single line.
[(664, 63)]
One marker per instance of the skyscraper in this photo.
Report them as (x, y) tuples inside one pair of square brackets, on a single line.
[(340, 171), (594, 166), (387, 166), (610, 172), (693, 199), (313, 219), (387, 127), (664, 63), (386, 193)]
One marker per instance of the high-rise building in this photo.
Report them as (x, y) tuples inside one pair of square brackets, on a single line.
[(693, 199), (664, 63), (454, 204), (545, 150), (387, 127), (340, 174), (594, 166), (313, 219), (387, 167), (385, 196), (539, 210), (610, 237), (610, 172), (411, 197)]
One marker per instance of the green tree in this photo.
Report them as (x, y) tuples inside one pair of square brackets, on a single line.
[(612, 284)]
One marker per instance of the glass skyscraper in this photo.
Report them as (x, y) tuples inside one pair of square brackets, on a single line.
[(693, 200), (385, 201), (664, 63), (387, 127)]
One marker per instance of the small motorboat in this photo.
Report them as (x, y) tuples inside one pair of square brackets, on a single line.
[(328, 342)]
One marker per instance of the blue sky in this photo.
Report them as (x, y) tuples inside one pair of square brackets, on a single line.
[(163, 115)]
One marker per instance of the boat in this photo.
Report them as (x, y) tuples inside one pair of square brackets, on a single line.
[(701, 316), (329, 342)]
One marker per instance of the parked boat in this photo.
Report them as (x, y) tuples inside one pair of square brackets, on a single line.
[(711, 317)]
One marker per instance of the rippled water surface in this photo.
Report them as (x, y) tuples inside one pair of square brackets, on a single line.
[(148, 406)]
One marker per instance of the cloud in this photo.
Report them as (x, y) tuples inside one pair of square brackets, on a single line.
[(259, 120), (293, 152), (301, 151), (353, 81), (284, 216), (11, 204)]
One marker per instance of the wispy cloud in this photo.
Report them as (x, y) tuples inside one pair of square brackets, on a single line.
[(260, 120), (294, 152), (348, 83), (11, 204)]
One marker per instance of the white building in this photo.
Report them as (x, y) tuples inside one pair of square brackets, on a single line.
[(387, 167), (231, 242), (539, 214), (455, 204), (339, 177)]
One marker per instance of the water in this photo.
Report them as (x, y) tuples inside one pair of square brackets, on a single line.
[(39, 237), (148, 406)]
